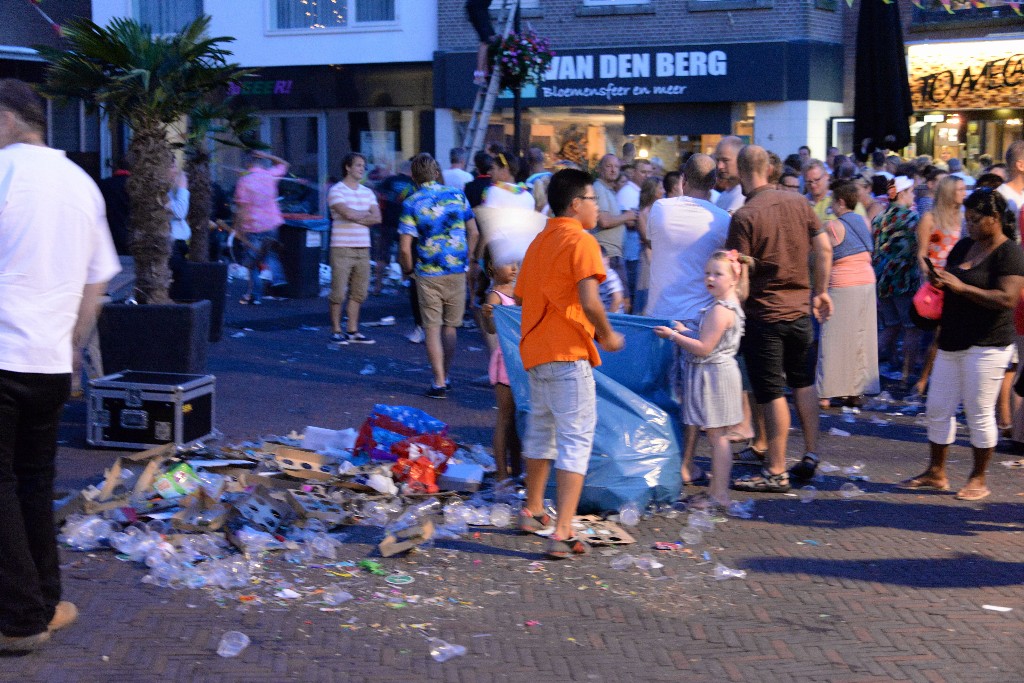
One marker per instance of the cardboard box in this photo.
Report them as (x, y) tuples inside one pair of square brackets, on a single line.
[(461, 477), (262, 510), (304, 464), (316, 505)]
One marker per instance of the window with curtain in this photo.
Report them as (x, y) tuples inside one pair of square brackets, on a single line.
[(329, 14), (167, 16)]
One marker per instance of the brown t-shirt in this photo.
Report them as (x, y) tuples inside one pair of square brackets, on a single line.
[(776, 228)]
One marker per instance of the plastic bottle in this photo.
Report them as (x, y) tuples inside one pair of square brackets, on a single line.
[(629, 514), (622, 562), (701, 520), (808, 494), (723, 573), (87, 532), (850, 490), (691, 535), (336, 595), (742, 509), (232, 643), (442, 651), (501, 515)]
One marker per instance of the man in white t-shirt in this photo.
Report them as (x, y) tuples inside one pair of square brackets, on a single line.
[(728, 183), (1013, 189), (56, 257), (457, 176), (354, 209)]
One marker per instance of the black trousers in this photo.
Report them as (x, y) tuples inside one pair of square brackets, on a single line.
[(30, 410)]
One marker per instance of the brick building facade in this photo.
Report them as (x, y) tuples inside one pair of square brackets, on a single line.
[(669, 75)]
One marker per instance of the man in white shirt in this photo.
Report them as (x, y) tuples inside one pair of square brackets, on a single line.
[(457, 176), (56, 257), (354, 209), (612, 220), (1013, 189), (728, 183)]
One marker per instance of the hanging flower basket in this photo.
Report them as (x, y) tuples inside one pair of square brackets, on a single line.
[(522, 57)]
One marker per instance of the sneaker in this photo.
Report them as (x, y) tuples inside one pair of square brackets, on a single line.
[(65, 615), (23, 643), (359, 338), (533, 524), (558, 549), (339, 338), (436, 392), (765, 482), (804, 470), (417, 336)]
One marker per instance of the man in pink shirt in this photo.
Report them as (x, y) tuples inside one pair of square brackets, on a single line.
[(257, 216)]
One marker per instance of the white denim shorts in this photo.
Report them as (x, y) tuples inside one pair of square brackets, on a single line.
[(563, 414)]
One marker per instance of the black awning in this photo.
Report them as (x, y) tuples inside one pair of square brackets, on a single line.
[(679, 119)]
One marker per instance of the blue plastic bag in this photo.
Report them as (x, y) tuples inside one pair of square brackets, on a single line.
[(637, 450)]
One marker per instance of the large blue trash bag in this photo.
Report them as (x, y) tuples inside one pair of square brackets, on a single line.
[(637, 444)]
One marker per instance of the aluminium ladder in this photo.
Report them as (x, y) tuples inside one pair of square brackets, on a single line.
[(486, 97)]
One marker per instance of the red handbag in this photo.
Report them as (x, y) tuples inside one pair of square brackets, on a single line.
[(928, 301)]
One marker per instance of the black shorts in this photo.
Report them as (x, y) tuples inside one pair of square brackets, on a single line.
[(778, 355), (382, 239), (479, 14)]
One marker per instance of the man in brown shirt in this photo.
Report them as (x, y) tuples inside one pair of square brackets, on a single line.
[(780, 231)]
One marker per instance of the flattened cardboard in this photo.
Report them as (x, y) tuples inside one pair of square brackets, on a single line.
[(198, 503), (316, 505), (406, 539), (305, 464), (264, 511), (597, 531)]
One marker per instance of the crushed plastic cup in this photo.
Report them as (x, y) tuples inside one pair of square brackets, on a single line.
[(629, 514), (723, 573), (850, 490), (232, 643), (701, 520), (856, 468), (501, 515), (691, 535), (647, 562), (336, 595), (741, 509), (442, 651), (622, 562), (87, 532), (808, 494), (826, 467)]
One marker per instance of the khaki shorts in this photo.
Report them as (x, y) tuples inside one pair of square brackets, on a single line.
[(350, 274), (442, 299)]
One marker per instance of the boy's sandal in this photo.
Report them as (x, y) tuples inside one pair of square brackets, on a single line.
[(749, 456), (558, 549), (531, 524), (972, 494), (804, 470), (921, 484), (765, 482), (700, 480)]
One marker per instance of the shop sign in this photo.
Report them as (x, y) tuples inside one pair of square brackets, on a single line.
[(727, 72), (969, 75), (264, 87)]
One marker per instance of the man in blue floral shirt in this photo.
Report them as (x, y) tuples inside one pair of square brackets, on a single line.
[(439, 220)]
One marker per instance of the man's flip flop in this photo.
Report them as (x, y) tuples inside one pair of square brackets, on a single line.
[(918, 484), (972, 494)]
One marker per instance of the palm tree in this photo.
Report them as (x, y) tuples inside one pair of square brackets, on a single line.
[(214, 120), (149, 82)]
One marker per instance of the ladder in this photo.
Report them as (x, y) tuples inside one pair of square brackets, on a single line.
[(487, 96)]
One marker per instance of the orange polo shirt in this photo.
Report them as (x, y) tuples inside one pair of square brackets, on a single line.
[(554, 326)]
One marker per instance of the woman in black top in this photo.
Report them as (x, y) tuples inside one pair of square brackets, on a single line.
[(982, 283)]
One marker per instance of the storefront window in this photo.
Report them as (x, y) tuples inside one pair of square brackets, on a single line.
[(167, 16), (964, 11), (304, 15)]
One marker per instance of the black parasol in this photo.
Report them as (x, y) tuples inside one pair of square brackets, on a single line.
[(881, 106)]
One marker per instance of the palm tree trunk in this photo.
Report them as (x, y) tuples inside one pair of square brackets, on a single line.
[(147, 187), (197, 167)]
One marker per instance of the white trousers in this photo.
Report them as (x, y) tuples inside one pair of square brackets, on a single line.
[(971, 377)]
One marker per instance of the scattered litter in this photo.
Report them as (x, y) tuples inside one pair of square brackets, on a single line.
[(368, 369), (997, 608), (288, 594), (1013, 463), (835, 431), (807, 494), (825, 467), (532, 622), (856, 468), (442, 651), (399, 579), (309, 328), (232, 643), (475, 349), (723, 573), (850, 490), (875, 420), (238, 335)]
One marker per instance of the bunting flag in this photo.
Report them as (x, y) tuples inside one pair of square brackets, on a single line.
[(1015, 6), (948, 5), (53, 24), (978, 4), (917, 4)]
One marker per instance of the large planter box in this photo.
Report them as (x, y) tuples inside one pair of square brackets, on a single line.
[(198, 281), (155, 337)]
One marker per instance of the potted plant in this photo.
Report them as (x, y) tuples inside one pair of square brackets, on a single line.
[(151, 83)]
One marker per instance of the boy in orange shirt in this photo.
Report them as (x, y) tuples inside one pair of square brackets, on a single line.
[(562, 315)]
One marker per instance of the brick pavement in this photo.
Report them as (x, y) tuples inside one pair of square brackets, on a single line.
[(887, 586)]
